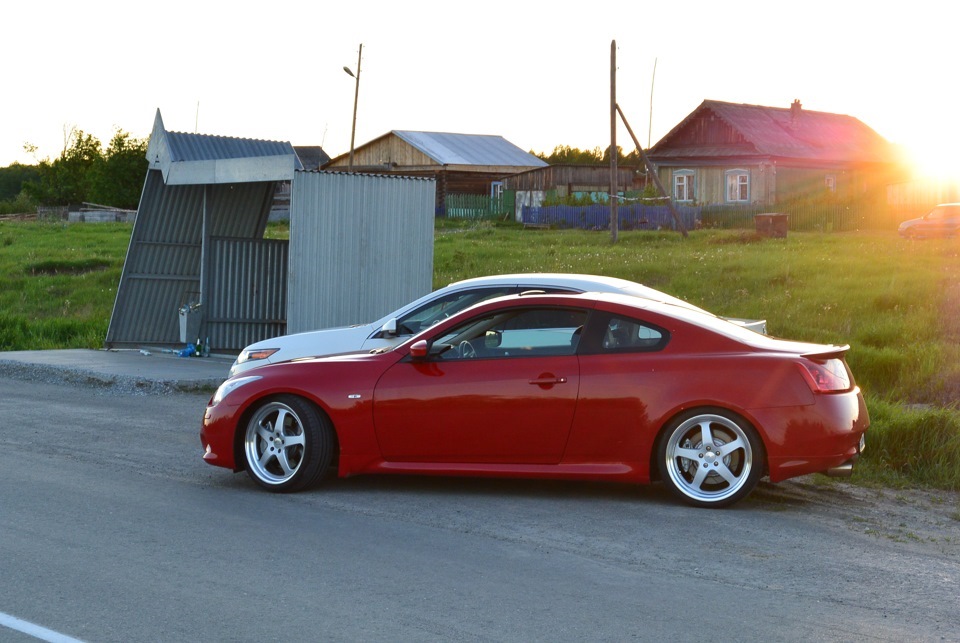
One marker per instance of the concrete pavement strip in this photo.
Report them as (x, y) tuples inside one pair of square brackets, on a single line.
[(138, 370)]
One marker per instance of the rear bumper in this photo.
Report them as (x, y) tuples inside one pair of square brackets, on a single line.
[(825, 437), (845, 470)]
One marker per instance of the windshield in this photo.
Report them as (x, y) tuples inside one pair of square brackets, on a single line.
[(944, 212), (439, 309)]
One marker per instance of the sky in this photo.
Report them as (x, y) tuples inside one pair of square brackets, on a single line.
[(536, 73)]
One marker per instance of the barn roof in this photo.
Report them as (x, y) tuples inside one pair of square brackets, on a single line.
[(469, 149), (193, 159), (790, 132), (447, 149)]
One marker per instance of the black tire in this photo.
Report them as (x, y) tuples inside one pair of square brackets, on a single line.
[(288, 444), (716, 474)]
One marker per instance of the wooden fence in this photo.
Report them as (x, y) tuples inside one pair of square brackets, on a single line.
[(474, 206)]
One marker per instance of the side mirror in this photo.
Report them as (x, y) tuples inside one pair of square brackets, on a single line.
[(390, 328), (492, 339), (420, 349)]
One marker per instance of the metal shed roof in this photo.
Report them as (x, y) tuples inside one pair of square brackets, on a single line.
[(197, 159), (469, 149)]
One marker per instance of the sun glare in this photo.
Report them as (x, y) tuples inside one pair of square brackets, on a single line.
[(935, 160)]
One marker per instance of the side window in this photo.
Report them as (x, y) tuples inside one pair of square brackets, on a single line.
[(519, 332), (624, 334), (683, 185), (439, 309), (738, 186)]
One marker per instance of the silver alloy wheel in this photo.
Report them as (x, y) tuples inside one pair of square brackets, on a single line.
[(274, 443), (709, 458)]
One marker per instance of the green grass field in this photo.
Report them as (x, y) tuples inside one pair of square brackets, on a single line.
[(58, 283), (896, 302)]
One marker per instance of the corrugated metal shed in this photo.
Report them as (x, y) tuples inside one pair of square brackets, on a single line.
[(195, 159), (361, 245), (198, 239)]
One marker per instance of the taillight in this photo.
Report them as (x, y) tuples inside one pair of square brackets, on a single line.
[(826, 376)]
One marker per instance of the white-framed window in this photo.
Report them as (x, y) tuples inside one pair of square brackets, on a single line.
[(738, 186), (683, 185), (496, 189), (830, 182)]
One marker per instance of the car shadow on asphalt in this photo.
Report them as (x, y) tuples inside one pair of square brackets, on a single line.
[(767, 496), (497, 487)]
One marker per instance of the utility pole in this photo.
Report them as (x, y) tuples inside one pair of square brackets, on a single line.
[(650, 122), (614, 187), (653, 173), (356, 95)]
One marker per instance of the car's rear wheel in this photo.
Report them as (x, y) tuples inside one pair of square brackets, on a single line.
[(710, 457), (288, 444)]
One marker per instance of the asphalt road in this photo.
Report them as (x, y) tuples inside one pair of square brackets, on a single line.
[(113, 529)]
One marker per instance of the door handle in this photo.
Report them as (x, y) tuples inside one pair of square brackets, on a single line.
[(547, 380)]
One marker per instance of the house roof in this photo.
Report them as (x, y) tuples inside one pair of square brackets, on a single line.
[(461, 149), (469, 149), (192, 159), (790, 132), (311, 156)]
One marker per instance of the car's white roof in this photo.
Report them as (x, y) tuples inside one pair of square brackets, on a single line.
[(581, 282), (558, 278)]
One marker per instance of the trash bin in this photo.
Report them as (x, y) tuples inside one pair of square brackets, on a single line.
[(189, 322), (772, 224)]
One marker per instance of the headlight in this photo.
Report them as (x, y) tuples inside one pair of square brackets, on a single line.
[(255, 354), (231, 385)]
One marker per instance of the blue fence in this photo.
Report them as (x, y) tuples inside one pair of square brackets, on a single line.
[(803, 217), (597, 217)]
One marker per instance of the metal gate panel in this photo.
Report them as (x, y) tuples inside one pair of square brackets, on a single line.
[(246, 297)]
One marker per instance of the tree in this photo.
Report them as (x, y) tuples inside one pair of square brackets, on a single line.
[(65, 180), (117, 179), (85, 173), (12, 179), (566, 155)]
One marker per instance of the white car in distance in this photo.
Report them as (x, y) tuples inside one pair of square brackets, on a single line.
[(409, 320)]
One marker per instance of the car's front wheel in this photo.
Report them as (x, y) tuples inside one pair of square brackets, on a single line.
[(710, 457), (287, 444)]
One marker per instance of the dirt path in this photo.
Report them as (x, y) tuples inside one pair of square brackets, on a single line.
[(923, 520)]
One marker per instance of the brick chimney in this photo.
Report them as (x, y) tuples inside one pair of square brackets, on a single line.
[(795, 108)]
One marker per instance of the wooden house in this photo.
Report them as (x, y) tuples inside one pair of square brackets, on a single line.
[(460, 163), (735, 154)]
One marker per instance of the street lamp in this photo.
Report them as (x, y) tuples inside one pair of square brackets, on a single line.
[(356, 94)]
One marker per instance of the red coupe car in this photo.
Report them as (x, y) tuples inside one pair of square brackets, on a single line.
[(588, 386)]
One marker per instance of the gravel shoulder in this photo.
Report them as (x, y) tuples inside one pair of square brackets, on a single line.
[(920, 519)]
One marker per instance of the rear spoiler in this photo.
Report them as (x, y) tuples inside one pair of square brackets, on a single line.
[(829, 352)]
